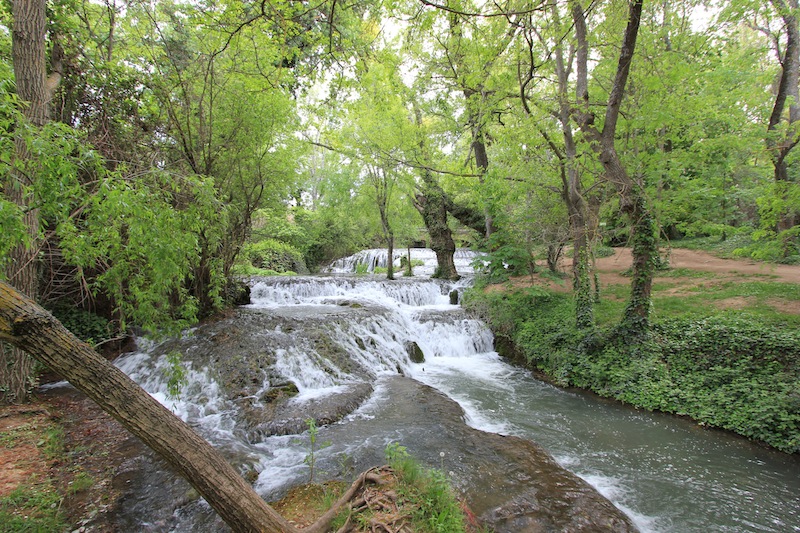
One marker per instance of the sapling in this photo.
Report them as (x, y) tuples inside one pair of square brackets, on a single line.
[(314, 447)]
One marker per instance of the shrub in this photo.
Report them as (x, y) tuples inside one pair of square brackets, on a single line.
[(732, 372), (88, 327), (271, 254)]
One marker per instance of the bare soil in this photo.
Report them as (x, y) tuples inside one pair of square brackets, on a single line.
[(681, 258)]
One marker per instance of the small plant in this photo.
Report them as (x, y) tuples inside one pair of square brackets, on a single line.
[(176, 374), (313, 447), (53, 442), (80, 482), (428, 492)]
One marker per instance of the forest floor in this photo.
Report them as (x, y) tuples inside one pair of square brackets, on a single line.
[(690, 271), (63, 446)]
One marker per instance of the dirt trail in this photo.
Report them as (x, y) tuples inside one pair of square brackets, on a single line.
[(611, 267)]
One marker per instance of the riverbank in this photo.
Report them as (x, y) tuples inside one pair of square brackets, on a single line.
[(723, 350)]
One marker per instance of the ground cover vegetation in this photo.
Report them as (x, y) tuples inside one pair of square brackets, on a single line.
[(150, 153), (731, 369)]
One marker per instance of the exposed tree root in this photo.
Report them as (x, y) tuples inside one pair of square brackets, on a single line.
[(378, 507)]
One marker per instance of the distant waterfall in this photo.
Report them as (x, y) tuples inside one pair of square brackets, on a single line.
[(379, 257)]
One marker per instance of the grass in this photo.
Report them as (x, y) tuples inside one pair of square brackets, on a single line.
[(764, 300), (428, 492), (32, 507), (35, 504)]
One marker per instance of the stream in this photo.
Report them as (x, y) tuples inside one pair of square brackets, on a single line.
[(344, 340)]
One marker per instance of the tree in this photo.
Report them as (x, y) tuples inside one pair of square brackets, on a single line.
[(603, 141), (782, 134), (35, 89), (582, 213)]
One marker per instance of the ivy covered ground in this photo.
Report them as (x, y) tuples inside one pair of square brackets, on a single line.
[(724, 348)]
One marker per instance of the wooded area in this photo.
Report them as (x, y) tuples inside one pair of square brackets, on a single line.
[(154, 150), (151, 152)]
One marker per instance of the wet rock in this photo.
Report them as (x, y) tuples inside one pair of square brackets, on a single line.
[(289, 417), (454, 297), (414, 352), (511, 484)]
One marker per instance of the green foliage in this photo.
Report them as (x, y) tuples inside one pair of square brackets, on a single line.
[(603, 251), (314, 446), (271, 254), (504, 258), (736, 373), (427, 490), (176, 374), (778, 247), (89, 327), (329, 235), (144, 248)]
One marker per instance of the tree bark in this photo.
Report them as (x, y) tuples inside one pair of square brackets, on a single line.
[(780, 146), (632, 201), (431, 204), (28, 326), (30, 73)]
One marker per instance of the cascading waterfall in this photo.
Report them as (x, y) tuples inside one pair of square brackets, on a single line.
[(328, 336), (371, 259)]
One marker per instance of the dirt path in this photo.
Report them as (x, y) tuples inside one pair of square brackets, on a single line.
[(610, 268)]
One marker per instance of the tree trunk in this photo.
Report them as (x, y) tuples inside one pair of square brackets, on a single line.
[(30, 71), (780, 145), (27, 326), (468, 216), (632, 201), (432, 206)]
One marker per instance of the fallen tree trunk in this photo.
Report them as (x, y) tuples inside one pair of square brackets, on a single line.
[(26, 325)]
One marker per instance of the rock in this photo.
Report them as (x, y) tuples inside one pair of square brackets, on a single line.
[(454, 297), (414, 352), (511, 484), (237, 292), (289, 417)]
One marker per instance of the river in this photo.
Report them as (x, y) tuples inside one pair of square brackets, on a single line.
[(666, 473)]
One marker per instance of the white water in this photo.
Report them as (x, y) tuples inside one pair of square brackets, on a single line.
[(667, 474), (379, 257)]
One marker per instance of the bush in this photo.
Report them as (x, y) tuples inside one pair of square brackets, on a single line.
[(88, 327), (271, 254)]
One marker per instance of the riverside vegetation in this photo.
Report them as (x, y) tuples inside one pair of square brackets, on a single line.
[(733, 369)]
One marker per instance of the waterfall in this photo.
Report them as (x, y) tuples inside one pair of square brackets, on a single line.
[(379, 257)]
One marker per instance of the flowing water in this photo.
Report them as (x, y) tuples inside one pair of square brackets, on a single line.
[(666, 473)]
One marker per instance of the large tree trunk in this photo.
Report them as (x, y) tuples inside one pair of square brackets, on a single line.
[(30, 72), (431, 205), (27, 326)]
